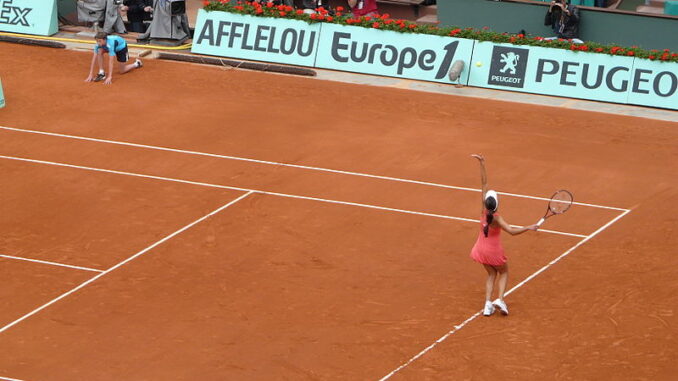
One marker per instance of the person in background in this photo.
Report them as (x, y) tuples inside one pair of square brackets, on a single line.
[(563, 17), (138, 11), (116, 47), (363, 7)]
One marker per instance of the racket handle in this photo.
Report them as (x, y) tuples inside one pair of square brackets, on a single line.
[(541, 222)]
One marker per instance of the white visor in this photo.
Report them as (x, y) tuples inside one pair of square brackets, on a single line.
[(492, 194)]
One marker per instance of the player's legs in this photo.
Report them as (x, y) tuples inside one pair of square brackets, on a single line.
[(503, 280), (489, 284), (488, 309)]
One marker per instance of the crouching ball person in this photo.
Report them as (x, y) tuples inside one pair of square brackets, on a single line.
[(116, 47), (488, 250)]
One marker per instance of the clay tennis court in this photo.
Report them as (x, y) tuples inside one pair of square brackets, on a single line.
[(198, 223)]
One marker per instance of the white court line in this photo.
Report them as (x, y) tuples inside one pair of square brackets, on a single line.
[(9, 379), (320, 169), (264, 192), (50, 263), (166, 238), (473, 317)]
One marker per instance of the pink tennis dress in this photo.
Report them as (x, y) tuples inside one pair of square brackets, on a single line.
[(488, 250)]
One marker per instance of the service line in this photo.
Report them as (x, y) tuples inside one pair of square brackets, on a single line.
[(265, 192), (320, 169), (82, 285), (50, 263)]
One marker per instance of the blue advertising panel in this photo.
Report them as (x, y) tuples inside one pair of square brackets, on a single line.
[(654, 84), (551, 72), (392, 54), (228, 34), (29, 16)]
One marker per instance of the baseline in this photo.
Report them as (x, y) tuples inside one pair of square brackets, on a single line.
[(320, 169), (82, 285), (268, 193), (514, 288)]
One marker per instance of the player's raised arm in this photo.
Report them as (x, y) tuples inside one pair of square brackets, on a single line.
[(483, 178)]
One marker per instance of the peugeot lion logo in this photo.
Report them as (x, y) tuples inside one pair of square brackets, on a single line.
[(508, 67), (510, 60)]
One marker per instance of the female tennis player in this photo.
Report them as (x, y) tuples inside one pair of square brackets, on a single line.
[(488, 250)]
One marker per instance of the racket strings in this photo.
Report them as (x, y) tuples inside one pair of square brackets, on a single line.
[(560, 202)]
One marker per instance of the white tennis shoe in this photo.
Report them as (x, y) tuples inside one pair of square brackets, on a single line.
[(501, 305), (489, 308)]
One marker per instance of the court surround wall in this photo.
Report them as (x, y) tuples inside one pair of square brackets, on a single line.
[(538, 70), (37, 17)]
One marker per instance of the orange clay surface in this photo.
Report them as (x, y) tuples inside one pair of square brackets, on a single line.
[(304, 279)]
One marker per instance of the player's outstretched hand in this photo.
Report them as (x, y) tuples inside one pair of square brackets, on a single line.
[(108, 81), (532, 227), (90, 78)]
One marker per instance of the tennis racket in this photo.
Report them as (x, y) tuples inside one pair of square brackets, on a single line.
[(559, 203)]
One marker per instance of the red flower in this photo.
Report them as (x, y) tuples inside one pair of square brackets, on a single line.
[(512, 39), (584, 48), (259, 11), (388, 22), (599, 50), (269, 4), (340, 9), (402, 26), (239, 7), (206, 3), (412, 26), (652, 57), (521, 35), (674, 55), (367, 18), (384, 16), (283, 14), (329, 18), (314, 16), (376, 25), (300, 12), (573, 47), (631, 53)]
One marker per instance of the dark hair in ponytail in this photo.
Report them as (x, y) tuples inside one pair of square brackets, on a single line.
[(491, 206)]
